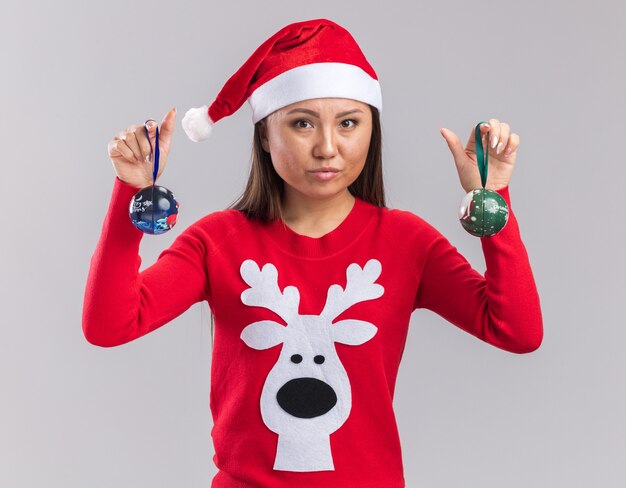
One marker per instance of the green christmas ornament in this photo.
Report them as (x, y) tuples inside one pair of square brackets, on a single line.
[(483, 213)]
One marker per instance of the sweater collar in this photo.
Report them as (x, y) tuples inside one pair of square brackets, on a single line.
[(330, 243)]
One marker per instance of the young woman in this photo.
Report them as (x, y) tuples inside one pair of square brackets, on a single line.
[(310, 278)]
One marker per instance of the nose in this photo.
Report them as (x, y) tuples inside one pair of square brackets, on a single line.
[(325, 146), (306, 398)]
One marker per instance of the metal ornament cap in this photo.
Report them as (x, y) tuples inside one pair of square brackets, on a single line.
[(483, 213)]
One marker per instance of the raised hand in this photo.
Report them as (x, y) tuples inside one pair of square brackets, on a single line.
[(502, 154), (129, 150)]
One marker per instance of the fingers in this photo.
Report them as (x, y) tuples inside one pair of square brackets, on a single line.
[(150, 126), (501, 140), (142, 140), (484, 135), (494, 132), (134, 144), (512, 145), (117, 147)]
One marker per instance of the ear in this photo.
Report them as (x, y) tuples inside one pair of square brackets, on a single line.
[(263, 334), (353, 332), (263, 134)]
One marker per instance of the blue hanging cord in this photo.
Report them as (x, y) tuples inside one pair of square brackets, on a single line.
[(155, 170), (154, 151)]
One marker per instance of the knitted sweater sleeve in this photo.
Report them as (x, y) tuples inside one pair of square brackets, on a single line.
[(502, 307), (120, 303)]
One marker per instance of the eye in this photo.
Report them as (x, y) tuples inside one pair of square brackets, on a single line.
[(355, 122), (319, 359), (297, 125), (296, 358)]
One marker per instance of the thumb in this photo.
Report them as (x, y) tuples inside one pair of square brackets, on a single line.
[(167, 127), (454, 144)]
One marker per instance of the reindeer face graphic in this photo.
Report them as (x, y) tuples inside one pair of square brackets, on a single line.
[(306, 395)]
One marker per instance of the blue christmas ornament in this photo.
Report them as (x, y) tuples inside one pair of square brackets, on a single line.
[(153, 209)]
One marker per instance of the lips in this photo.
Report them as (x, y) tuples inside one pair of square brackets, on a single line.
[(325, 170), (324, 174)]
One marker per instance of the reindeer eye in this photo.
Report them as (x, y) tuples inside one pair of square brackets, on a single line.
[(296, 358), (319, 359)]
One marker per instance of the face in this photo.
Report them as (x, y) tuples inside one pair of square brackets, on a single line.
[(319, 146)]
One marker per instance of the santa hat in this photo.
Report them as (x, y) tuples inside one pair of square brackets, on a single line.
[(310, 59)]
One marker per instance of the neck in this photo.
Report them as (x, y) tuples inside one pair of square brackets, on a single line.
[(314, 217)]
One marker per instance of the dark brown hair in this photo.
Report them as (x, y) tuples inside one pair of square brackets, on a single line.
[(264, 190)]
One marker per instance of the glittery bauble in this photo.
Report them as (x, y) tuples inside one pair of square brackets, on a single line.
[(483, 212), (153, 210)]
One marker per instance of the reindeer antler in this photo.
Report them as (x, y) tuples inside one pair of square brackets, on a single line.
[(264, 291), (360, 286)]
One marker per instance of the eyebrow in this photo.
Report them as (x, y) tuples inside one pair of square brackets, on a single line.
[(315, 114)]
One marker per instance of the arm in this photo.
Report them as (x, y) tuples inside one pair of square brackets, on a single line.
[(121, 304), (502, 308)]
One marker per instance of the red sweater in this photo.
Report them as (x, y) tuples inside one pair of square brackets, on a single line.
[(309, 332)]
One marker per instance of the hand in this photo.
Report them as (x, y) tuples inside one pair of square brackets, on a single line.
[(501, 159), (129, 149)]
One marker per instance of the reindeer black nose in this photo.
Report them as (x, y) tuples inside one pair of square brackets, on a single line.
[(306, 398)]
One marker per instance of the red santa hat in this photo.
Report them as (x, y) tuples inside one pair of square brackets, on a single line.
[(310, 59)]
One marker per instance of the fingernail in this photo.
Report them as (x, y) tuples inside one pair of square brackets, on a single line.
[(494, 142), (150, 124), (508, 151), (499, 148)]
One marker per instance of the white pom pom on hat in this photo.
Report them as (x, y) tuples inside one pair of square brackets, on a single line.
[(310, 59), (197, 124)]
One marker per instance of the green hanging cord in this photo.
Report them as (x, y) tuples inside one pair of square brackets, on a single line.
[(482, 156)]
